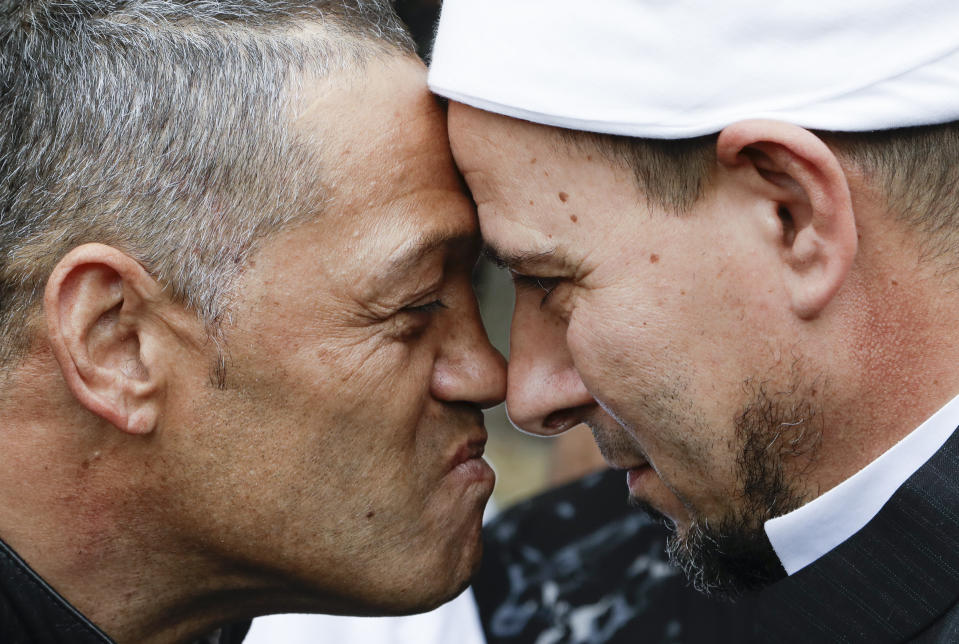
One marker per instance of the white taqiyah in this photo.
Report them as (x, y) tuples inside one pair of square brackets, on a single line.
[(683, 68)]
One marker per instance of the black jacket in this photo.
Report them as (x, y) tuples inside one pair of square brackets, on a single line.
[(31, 612), (896, 580), (579, 554), (577, 564)]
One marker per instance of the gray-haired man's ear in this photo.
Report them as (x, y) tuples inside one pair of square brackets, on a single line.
[(99, 305), (807, 192)]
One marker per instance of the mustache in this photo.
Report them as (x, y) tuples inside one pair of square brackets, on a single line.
[(464, 413), (615, 443)]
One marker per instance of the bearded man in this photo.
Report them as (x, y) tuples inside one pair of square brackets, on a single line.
[(733, 232)]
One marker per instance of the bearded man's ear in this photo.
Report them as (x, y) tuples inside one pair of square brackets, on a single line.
[(806, 190)]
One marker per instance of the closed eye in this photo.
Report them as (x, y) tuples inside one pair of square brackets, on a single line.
[(546, 284), (410, 322), (428, 307)]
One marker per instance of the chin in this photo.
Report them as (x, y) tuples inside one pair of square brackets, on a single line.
[(446, 594), (435, 584), (422, 599), (434, 567), (457, 581)]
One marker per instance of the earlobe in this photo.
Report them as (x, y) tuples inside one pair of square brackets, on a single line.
[(96, 305), (807, 192)]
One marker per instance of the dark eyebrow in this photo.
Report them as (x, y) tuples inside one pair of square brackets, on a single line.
[(413, 250), (516, 260)]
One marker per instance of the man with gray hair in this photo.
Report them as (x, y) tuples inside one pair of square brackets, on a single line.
[(733, 231), (241, 364)]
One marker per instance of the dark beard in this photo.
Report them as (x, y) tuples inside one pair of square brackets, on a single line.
[(734, 555), (725, 561)]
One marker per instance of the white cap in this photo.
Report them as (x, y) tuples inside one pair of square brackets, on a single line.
[(682, 68)]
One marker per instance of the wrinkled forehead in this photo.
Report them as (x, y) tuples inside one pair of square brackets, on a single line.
[(382, 155), (380, 120)]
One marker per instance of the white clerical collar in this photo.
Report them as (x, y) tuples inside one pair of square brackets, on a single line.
[(807, 533)]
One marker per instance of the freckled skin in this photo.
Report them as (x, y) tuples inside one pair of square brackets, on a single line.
[(668, 322), (617, 317)]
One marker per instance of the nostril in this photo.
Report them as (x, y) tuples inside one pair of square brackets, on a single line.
[(557, 423), (561, 420)]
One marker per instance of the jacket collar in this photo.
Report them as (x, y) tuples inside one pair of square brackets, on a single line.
[(32, 611), (888, 582)]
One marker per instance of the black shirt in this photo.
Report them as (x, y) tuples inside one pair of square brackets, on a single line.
[(31, 612)]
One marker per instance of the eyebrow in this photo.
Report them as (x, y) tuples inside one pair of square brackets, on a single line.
[(515, 260), (415, 249)]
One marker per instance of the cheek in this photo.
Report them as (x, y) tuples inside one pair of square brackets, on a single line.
[(374, 363), (383, 398), (614, 345), (344, 410)]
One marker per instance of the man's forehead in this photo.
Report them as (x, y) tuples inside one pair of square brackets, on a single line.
[(371, 107), (502, 157), (480, 138)]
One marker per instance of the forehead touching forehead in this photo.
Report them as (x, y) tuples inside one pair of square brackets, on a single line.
[(492, 152), (536, 195), (671, 174), (392, 194), (381, 110)]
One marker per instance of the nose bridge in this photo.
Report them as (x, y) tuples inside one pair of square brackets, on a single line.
[(469, 367), (545, 394)]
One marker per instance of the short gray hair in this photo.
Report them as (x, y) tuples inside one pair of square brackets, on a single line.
[(160, 127)]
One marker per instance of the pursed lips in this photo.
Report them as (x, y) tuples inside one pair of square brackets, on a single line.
[(474, 447)]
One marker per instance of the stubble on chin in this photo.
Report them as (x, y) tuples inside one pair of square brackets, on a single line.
[(779, 432)]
